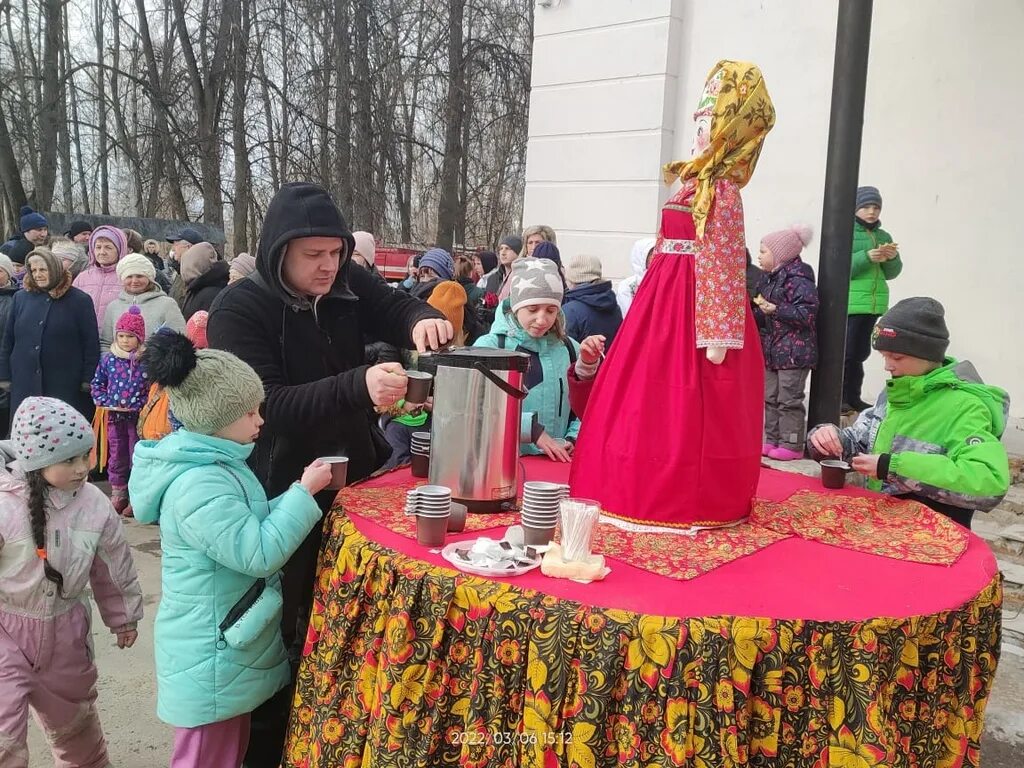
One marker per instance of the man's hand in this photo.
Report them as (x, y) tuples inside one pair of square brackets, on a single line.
[(877, 255), (554, 450), (432, 334), (591, 349), (127, 638), (826, 441), (866, 464), (386, 383)]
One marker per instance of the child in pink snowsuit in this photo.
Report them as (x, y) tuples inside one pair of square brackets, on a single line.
[(121, 386), (59, 536)]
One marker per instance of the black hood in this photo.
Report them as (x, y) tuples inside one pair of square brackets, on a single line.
[(216, 275), (301, 209)]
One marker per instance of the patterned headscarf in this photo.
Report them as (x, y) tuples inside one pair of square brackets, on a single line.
[(742, 115)]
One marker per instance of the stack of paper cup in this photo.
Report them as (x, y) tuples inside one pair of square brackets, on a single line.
[(419, 448), (540, 510), (432, 505)]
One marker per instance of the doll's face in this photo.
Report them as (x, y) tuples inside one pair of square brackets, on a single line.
[(703, 116)]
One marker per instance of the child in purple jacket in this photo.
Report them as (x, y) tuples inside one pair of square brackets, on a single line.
[(121, 386), (786, 307)]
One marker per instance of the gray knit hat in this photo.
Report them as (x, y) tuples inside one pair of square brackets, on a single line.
[(868, 196), (583, 269), (47, 431), (915, 327), (535, 282), (208, 388)]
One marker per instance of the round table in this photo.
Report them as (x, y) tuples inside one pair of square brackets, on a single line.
[(801, 654)]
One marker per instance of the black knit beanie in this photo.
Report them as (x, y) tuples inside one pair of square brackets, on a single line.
[(915, 327)]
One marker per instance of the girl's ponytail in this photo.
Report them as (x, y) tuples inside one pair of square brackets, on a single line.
[(37, 486)]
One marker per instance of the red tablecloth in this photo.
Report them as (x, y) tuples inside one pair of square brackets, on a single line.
[(792, 579)]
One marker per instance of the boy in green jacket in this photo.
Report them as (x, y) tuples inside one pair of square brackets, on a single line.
[(874, 261), (933, 436)]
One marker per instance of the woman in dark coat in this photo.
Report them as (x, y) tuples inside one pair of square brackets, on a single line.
[(205, 277), (51, 344)]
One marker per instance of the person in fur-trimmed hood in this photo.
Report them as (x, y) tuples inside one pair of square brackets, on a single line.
[(300, 322)]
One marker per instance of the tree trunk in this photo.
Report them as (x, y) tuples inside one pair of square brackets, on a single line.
[(101, 112), (163, 168), (448, 206), (285, 141), (342, 107), (243, 184), (362, 181), (10, 171), (207, 90), (64, 124)]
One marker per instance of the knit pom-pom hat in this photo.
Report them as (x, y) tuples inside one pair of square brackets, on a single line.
[(786, 244), (132, 322), (31, 219), (47, 431), (195, 329), (208, 388)]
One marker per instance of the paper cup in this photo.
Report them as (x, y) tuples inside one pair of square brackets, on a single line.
[(420, 465), (833, 473), (339, 471), (431, 531), (418, 388), (457, 517), (538, 537)]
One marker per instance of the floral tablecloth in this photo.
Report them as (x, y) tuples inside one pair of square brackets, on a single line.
[(411, 664)]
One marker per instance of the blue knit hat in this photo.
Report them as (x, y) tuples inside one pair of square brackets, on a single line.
[(31, 219), (439, 260), (549, 251), (868, 196)]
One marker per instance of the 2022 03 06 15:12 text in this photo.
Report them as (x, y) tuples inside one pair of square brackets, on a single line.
[(479, 738)]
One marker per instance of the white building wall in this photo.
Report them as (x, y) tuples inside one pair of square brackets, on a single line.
[(941, 139)]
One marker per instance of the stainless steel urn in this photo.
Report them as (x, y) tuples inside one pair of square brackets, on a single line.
[(474, 441)]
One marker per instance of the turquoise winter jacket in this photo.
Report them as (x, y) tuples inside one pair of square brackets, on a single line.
[(218, 534), (549, 387)]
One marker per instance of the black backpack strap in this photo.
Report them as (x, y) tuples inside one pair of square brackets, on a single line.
[(571, 350)]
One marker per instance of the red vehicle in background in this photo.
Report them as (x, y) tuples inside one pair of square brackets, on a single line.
[(392, 260)]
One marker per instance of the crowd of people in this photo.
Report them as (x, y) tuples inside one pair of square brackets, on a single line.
[(214, 386)]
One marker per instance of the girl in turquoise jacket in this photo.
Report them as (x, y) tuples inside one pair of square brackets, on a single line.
[(219, 652), (531, 321)]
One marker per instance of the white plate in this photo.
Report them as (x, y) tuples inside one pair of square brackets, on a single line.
[(448, 553)]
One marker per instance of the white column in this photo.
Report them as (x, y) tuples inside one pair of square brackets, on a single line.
[(601, 111)]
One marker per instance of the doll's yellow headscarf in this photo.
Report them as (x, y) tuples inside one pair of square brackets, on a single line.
[(741, 118)]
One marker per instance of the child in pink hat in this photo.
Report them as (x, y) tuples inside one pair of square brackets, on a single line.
[(120, 386), (786, 311)]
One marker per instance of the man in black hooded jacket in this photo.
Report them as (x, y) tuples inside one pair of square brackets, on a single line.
[(299, 321)]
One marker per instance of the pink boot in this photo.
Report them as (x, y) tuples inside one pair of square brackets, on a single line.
[(784, 454), (767, 448)]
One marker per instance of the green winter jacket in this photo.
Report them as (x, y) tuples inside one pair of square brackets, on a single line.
[(218, 534), (547, 379), (940, 434), (869, 287)]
